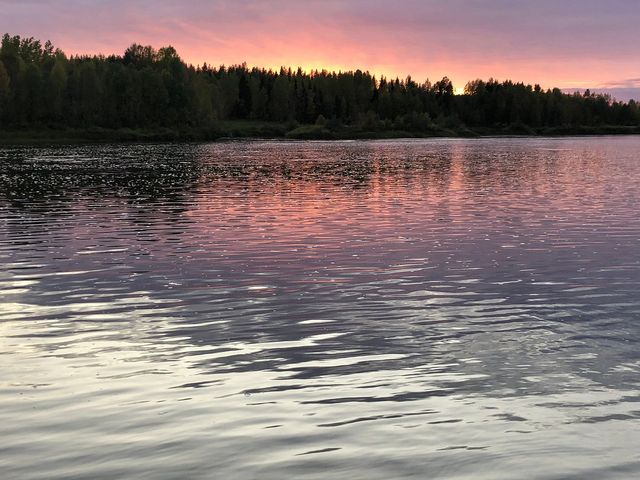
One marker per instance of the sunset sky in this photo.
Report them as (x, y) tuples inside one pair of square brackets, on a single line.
[(569, 43)]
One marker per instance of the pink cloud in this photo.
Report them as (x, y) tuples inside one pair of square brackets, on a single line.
[(571, 43)]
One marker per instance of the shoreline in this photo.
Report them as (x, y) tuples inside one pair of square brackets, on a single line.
[(243, 130)]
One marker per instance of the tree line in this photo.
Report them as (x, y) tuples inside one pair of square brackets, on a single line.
[(41, 87)]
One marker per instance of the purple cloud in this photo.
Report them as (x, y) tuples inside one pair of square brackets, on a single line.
[(573, 43)]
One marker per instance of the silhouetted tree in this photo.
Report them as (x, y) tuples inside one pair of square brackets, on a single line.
[(149, 88)]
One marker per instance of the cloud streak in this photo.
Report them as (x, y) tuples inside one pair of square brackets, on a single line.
[(570, 43)]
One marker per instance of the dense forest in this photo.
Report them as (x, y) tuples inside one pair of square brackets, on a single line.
[(155, 90)]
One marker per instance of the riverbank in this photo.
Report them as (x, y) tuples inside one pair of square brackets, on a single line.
[(273, 130)]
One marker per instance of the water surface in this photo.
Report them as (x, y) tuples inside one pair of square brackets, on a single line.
[(456, 309)]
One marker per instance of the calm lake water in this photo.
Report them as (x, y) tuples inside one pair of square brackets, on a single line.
[(456, 309)]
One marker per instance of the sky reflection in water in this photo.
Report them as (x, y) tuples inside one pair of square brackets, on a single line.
[(443, 308)]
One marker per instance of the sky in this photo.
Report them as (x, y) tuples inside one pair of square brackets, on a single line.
[(571, 44)]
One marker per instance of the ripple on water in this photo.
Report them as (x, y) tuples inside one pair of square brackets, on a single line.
[(397, 309)]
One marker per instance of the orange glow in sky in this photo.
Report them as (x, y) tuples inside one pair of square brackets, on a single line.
[(569, 44)]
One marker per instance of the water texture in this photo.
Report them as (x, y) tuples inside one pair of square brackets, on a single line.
[(456, 309)]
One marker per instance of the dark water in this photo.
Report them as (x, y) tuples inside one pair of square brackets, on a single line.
[(368, 310)]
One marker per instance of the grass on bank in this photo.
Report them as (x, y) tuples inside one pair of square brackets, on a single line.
[(242, 129)]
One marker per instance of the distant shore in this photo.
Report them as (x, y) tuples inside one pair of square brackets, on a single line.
[(153, 95), (274, 130)]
